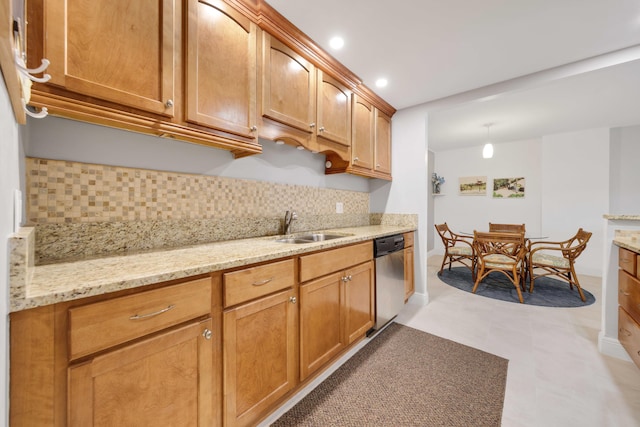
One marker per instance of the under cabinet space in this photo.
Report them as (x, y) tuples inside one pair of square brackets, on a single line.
[(104, 324)]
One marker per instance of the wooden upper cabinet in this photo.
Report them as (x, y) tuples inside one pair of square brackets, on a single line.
[(382, 138), (221, 75), (118, 50), (288, 86), (363, 133), (333, 110)]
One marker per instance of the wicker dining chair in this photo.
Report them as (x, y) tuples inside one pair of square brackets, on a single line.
[(557, 259), (500, 252), (457, 248)]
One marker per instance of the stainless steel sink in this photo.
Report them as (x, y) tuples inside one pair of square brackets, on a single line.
[(310, 238)]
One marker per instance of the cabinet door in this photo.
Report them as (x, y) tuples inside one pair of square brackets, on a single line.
[(221, 68), (362, 134), (358, 301), (117, 50), (259, 356), (165, 380), (334, 110), (382, 143), (321, 335), (288, 86), (409, 281)]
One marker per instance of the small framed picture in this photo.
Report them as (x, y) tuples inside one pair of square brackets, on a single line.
[(473, 185), (508, 188)]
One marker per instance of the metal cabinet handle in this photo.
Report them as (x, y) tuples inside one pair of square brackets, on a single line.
[(321, 129), (625, 331), (169, 103), (156, 313), (312, 125), (355, 159), (253, 128), (207, 334), (626, 294), (349, 278), (263, 282), (293, 300)]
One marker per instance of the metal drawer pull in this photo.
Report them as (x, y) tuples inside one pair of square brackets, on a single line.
[(626, 294), (263, 282), (156, 313), (207, 334)]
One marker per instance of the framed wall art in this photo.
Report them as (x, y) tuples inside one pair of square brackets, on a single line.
[(473, 185), (508, 188)]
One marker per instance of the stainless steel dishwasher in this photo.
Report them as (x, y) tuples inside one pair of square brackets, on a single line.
[(389, 257)]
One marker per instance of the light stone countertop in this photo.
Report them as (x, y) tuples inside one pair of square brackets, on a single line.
[(622, 217), (34, 286), (628, 239)]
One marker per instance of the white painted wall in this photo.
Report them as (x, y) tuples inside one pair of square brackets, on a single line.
[(575, 190), (567, 187), (407, 193), (468, 213), (64, 139), (625, 171), (10, 160)]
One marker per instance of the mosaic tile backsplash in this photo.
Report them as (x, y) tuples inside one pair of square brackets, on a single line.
[(84, 210)]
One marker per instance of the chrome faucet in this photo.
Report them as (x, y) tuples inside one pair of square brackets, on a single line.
[(289, 217)]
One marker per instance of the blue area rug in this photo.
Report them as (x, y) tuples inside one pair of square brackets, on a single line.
[(547, 292)]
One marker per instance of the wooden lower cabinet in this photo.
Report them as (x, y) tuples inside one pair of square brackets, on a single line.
[(335, 310), (629, 303), (165, 380), (260, 349), (409, 272)]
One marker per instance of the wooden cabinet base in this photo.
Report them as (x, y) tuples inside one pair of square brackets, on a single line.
[(629, 335)]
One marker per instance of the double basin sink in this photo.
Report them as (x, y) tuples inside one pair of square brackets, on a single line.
[(310, 238)]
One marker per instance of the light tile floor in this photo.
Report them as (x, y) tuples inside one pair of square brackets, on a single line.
[(556, 376)]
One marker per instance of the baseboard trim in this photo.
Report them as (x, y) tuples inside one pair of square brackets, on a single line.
[(612, 347)]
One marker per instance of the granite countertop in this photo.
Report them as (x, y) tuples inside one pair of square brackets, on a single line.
[(34, 286), (622, 217), (628, 239)]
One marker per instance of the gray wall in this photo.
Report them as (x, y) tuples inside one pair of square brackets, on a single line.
[(63, 139)]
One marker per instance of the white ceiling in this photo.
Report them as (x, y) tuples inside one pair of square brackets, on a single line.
[(470, 62)]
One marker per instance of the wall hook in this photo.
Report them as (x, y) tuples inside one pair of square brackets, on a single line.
[(38, 115)]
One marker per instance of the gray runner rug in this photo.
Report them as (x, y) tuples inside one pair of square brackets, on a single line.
[(406, 377)]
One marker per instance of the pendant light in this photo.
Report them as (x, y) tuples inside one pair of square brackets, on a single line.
[(487, 151)]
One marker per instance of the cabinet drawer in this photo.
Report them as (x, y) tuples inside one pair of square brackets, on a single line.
[(629, 294), (101, 325), (629, 335), (321, 263), (253, 282), (627, 261), (408, 239)]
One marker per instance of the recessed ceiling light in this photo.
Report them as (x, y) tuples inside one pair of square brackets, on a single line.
[(336, 42), (381, 82)]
